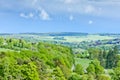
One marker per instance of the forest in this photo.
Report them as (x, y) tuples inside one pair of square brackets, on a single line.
[(52, 59)]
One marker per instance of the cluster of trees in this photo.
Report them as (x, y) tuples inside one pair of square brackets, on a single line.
[(15, 44), (93, 72), (47, 62), (107, 60)]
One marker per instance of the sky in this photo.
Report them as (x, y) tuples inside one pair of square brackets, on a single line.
[(41, 16)]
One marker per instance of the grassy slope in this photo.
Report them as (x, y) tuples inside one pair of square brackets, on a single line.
[(83, 62)]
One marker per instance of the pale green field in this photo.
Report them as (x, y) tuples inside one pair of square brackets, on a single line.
[(79, 50), (4, 50), (86, 38), (83, 62), (74, 38)]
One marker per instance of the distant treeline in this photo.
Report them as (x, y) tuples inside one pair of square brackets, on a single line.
[(5, 34), (109, 34), (62, 34), (68, 34), (52, 34)]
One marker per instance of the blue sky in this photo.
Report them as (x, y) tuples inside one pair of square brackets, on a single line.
[(92, 16)]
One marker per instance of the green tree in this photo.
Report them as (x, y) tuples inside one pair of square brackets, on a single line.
[(103, 77), (116, 75), (58, 74), (29, 72), (111, 59), (91, 69), (84, 77), (104, 54), (101, 59), (93, 53), (1, 42), (98, 68), (79, 69), (116, 50), (100, 56), (74, 77), (91, 77)]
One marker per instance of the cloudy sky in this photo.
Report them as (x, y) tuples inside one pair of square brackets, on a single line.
[(93, 16)]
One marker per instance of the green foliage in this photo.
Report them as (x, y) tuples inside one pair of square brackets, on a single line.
[(1, 42), (84, 77), (104, 54), (103, 77), (27, 61), (84, 54), (91, 77), (118, 63), (58, 74), (29, 71), (74, 76), (116, 74), (98, 68), (112, 58), (93, 53), (79, 69), (91, 69)]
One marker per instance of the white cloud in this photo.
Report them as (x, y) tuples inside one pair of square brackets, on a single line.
[(110, 8), (71, 17), (90, 22), (34, 2), (23, 15), (69, 1), (44, 15), (89, 9), (40, 12), (30, 15)]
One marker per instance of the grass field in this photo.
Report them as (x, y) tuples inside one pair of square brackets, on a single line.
[(83, 62), (86, 38), (4, 50)]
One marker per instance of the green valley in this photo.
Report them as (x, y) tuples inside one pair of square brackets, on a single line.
[(59, 56)]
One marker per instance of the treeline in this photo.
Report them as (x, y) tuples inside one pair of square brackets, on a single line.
[(50, 34), (14, 44), (93, 72), (68, 34), (107, 59)]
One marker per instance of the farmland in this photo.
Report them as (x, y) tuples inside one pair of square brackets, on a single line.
[(77, 41)]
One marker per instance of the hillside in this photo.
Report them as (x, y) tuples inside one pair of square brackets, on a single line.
[(36, 61), (59, 57)]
